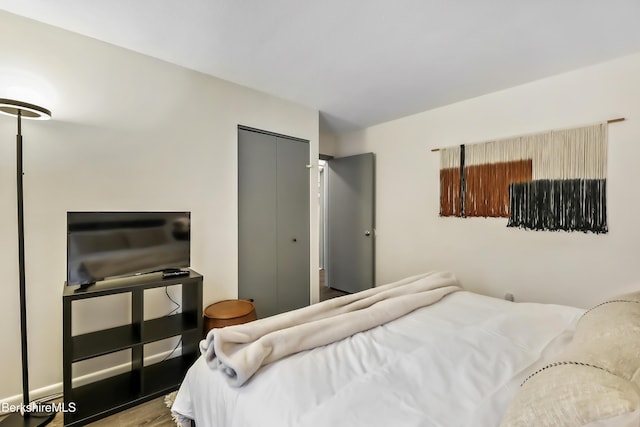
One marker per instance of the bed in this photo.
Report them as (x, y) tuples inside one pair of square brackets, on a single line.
[(461, 359)]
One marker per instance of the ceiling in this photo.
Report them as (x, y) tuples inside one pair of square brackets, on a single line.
[(359, 62)]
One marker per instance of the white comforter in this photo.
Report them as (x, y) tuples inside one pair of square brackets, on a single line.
[(455, 363), (240, 350)]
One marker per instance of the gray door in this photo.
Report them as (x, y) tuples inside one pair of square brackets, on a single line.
[(293, 224), (350, 223), (273, 221), (257, 228)]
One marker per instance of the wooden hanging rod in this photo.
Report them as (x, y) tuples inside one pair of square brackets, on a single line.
[(620, 119)]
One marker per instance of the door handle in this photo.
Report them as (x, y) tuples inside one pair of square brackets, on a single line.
[(367, 233)]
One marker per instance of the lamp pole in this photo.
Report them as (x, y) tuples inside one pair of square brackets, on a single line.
[(20, 109), (21, 268)]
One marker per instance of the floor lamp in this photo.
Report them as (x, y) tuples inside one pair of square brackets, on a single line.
[(28, 111)]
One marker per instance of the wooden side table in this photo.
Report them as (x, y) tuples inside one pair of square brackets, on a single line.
[(227, 313)]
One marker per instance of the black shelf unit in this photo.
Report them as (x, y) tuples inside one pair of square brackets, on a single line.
[(142, 383)]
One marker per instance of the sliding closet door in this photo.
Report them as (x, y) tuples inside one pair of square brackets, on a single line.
[(273, 221)]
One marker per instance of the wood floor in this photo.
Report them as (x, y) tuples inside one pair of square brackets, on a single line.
[(326, 292), (153, 413), (150, 414)]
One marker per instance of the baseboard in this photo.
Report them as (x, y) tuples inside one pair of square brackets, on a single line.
[(55, 390)]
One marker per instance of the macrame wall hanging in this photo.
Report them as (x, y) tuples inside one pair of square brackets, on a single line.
[(554, 180)]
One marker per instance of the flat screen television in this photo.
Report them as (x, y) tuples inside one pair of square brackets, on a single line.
[(104, 245)]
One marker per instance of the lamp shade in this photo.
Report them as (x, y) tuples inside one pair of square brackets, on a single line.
[(28, 111)]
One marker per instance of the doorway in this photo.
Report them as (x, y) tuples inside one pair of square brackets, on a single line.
[(346, 221), (326, 292)]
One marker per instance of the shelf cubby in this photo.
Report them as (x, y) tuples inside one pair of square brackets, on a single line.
[(141, 383)]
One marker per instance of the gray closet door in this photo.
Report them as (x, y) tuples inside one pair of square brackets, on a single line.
[(257, 232), (293, 224), (273, 222)]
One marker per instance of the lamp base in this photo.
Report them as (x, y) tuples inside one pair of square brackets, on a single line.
[(17, 420)]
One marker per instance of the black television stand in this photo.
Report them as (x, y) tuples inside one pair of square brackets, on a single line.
[(143, 382)]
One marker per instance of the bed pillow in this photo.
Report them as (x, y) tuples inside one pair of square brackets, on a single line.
[(595, 378), (631, 419)]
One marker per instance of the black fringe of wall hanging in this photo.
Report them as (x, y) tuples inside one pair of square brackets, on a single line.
[(553, 180), (569, 205)]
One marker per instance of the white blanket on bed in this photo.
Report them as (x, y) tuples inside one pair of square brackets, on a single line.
[(457, 363), (239, 351)]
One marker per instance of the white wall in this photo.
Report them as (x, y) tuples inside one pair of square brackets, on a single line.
[(328, 143), (129, 133), (572, 268)]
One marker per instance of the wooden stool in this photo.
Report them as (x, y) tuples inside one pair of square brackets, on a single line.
[(227, 313)]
